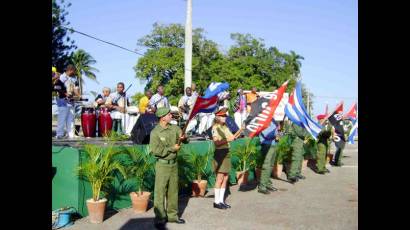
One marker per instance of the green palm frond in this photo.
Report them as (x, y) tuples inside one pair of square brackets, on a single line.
[(246, 153), (100, 167), (143, 163)]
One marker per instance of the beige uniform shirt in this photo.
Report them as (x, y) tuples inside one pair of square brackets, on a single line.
[(221, 133)]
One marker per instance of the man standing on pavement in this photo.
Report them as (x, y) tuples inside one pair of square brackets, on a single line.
[(164, 145), (322, 145), (298, 135), (268, 139)]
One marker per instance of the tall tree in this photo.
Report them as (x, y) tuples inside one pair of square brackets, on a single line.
[(163, 62), (83, 62), (61, 44), (247, 63)]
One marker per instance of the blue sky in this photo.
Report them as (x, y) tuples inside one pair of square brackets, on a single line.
[(324, 32)]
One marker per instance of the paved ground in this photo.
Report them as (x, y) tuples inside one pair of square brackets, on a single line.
[(320, 202)]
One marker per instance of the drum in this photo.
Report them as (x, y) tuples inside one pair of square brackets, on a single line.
[(104, 122), (88, 121)]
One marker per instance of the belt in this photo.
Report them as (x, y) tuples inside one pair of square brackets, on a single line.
[(167, 161)]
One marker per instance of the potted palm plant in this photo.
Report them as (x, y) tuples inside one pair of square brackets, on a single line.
[(143, 164), (198, 162), (244, 152), (310, 153), (98, 171), (283, 150)]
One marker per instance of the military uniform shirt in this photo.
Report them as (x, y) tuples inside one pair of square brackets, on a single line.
[(221, 133), (163, 140)]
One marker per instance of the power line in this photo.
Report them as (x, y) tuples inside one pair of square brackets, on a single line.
[(110, 43)]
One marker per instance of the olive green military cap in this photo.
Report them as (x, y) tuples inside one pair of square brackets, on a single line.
[(162, 112)]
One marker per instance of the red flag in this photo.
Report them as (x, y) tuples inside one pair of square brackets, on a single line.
[(261, 115), (339, 109), (352, 113), (204, 105)]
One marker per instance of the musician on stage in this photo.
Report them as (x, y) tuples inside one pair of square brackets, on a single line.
[(100, 100), (67, 87), (144, 101), (186, 103), (159, 100), (116, 102)]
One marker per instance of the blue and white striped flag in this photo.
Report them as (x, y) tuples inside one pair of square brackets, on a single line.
[(353, 131), (296, 112), (215, 88)]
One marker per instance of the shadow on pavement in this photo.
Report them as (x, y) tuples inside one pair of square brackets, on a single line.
[(248, 187), (109, 213), (139, 223), (182, 204)]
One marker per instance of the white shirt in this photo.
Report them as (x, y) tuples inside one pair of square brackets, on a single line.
[(159, 101)]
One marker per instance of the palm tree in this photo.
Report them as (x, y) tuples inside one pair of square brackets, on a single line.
[(83, 62), (295, 61)]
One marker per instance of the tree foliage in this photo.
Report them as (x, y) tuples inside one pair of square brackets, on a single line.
[(83, 63), (247, 63), (61, 44)]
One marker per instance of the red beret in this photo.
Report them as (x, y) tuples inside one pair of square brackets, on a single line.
[(321, 116)]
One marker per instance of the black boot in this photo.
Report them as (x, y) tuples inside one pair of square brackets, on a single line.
[(301, 177), (263, 191), (271, 188), (293, 180)]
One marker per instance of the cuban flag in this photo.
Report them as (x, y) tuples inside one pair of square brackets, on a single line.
[(204, 105), (296, 112), (353, 132), (352, 113), (215, 88)]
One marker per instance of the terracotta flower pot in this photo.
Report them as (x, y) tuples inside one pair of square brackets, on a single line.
[(277, 170), (329, 157), (96, 210), (198, 189), (242, 177), (258, 172), (140, 201)]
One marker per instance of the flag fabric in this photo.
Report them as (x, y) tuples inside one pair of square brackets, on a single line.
[(336, 119), (204, 105), (262, 111), (353, 132), (215, 88), (352, 113), (296, 112)]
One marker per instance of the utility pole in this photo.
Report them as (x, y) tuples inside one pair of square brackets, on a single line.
[(188, 46)]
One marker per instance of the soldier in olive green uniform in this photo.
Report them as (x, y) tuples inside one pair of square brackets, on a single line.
[(164, 145), (298, 135), (322, 145)]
